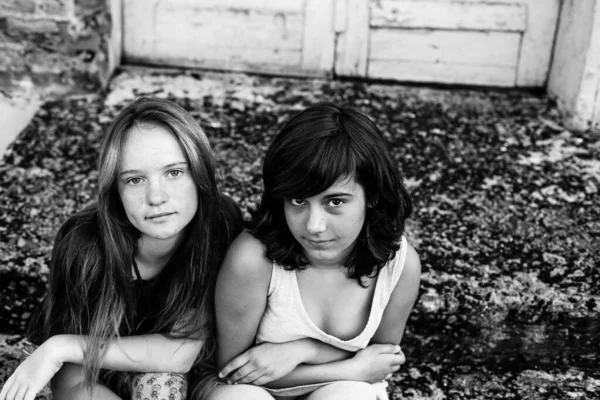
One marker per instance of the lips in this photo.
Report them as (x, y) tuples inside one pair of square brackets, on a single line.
[(317, 242), (160, 215)]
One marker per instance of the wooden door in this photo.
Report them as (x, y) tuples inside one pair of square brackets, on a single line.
[(474, 42), (283, 37)]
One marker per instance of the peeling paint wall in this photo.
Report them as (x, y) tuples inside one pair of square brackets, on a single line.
[(55, 46), (575, 73)]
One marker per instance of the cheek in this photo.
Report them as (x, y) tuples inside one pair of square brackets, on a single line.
[(356, 223), (189, 198), (292, 220), (130, 201)]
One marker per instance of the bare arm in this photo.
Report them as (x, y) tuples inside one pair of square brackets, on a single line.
[(401, 302), (241, 297), (142, 353), (145, 353), (372, 364), (383, 354)]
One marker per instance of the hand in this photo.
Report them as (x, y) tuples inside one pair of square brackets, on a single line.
[(377, 362), (263, 363), (32, 374)]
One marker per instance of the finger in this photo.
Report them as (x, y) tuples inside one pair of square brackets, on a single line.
[(400, 359), (20, 395), (263, 380), (388, 377), (7, 385), (234, 364), (30, 395), (12, 391), (389, 349), (250, 378), (241, 373)]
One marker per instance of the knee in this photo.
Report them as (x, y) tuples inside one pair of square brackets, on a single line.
[(68, 383), (345, 390), (236, 392), (159, 386)]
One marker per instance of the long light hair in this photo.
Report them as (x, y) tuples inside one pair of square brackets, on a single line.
[(90, 276)]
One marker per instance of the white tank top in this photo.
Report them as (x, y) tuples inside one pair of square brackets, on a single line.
[(285, 318)]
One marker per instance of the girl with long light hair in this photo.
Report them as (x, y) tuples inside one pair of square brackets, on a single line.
[(131, 286)]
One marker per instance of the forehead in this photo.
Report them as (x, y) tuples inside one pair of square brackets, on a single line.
[(147, 145), (344, 184)]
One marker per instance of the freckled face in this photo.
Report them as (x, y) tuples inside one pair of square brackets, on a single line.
[(155, 184), (328, 224)]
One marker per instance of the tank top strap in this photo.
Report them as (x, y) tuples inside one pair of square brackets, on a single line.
[(276, 277), (387, 280)]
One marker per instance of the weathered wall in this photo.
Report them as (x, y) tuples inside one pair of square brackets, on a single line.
[(575, 73), (56, 46)]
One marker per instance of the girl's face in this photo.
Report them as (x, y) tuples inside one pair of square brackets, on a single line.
[(155, 184), (327, 224)]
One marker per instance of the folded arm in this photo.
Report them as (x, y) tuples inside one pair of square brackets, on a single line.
[(143, 353)]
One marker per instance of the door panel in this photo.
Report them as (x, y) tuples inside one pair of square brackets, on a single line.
[(482, 42), (280, 37)]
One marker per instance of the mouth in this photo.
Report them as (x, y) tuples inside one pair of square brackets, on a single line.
[(160, 215), (317, 242)]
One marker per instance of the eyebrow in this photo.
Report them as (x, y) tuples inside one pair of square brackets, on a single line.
[(338, 194), (137, 171)]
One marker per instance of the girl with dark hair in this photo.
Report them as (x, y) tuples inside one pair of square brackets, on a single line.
[(131, 287), (313, 300)]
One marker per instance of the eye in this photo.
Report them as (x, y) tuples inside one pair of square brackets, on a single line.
[(175, 173), (335, 202), (134, 181), (297, 202)]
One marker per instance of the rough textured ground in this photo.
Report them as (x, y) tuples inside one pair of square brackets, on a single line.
[(506, 218)]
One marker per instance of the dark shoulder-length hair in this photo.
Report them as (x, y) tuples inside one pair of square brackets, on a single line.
[(311, 152), (90, 274)]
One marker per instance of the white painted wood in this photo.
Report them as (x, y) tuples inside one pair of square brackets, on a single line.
[(459, 15), (138, 28), (535, 19), (575, 74), (340, 9), (242, 6), (294, 37), (445, 47), (415, 71), (538, 41), (115, 45), (353, 42), (318, 44)]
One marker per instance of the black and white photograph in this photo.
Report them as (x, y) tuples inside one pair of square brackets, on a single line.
[(299, 199)]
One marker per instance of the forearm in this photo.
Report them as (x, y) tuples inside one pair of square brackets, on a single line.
[(306, 374), (317, 352), (143, 353)]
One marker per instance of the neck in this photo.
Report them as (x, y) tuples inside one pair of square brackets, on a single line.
[(154, 254)]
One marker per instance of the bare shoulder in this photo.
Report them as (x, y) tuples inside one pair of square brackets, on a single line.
[(407, 288), (401, 301), (411, 273), (246, 256)]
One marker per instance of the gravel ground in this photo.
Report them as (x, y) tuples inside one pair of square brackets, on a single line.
[(506, 218)]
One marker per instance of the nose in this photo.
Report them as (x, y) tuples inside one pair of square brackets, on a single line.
[(316, 223), (155, 194)]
